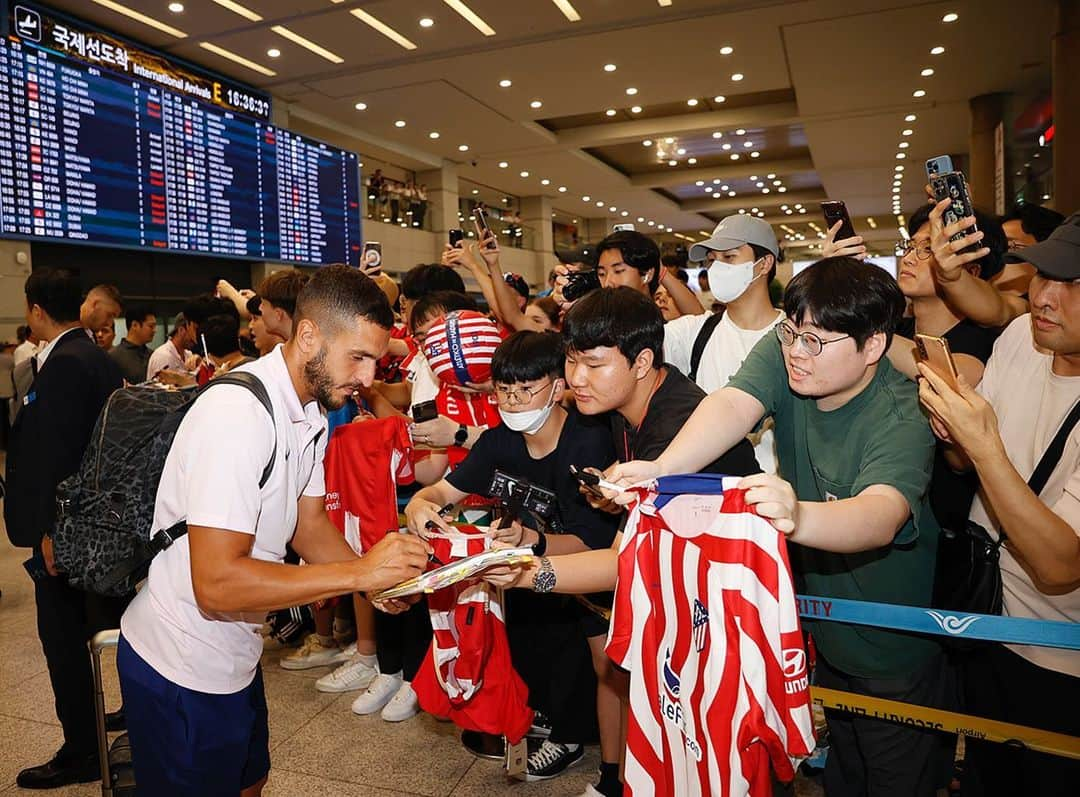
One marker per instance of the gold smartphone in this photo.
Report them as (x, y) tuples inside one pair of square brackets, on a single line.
[(935, 352)]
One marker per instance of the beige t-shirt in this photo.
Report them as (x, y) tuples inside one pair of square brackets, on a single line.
[(1031, 403)]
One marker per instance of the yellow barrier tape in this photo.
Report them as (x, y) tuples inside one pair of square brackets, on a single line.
[(947, 721)]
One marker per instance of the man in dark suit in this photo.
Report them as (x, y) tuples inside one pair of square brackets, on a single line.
[(72, 380)]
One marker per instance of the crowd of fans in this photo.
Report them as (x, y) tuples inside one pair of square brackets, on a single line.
[(846, 440)]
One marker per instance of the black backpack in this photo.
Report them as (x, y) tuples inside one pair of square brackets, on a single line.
[(103, 540)]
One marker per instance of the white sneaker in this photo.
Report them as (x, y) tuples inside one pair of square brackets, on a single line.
[(403, 705), (314, 654), (380, 691), (357, 673)]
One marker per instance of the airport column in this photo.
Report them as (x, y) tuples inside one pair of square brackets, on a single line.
[(1065, 51), (987, 112), (442, 202)]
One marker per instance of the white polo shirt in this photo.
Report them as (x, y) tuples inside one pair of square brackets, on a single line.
[(211, 477)]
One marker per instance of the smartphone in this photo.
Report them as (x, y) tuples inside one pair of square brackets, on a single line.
[(952, 185), (456, 235), (621, 227), (482, 228), (371, 259), (935, 352), (35, 567), (938, 165), (836, 211), (424, 411), (587, 480)]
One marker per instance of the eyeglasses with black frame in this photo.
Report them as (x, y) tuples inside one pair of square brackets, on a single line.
[(516, 396), (814, 344)]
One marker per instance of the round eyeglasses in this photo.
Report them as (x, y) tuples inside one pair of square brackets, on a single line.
[(516, 396), (813, 344)]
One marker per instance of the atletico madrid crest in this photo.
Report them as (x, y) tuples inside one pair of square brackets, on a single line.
[(701, 625)]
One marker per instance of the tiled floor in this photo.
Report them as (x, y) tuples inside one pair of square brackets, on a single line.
[(318, 746)]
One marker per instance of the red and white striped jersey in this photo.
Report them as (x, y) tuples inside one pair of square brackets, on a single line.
[(705, 619), (467, 675)]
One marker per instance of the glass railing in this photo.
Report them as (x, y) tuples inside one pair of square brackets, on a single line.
[(396, 203)]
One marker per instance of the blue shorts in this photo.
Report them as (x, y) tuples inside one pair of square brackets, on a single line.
[(185, 742)]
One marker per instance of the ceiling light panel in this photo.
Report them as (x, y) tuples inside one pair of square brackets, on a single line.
[(568, 10), (239, 9), (307, 44), (238, 59), (383, 28), (149, 21), (470, 16)]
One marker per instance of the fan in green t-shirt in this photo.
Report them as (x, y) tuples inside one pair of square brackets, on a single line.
[(855, 456)]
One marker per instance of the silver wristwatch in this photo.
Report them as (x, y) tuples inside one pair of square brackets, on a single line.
[(544, 577)]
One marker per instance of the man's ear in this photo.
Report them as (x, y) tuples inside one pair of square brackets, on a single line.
[(874, 348), (643, 363), (308, 337)]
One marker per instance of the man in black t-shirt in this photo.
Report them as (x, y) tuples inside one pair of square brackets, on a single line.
[(538, 441)]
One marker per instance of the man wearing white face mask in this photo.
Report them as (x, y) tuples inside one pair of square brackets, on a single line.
[(538, 441), (740, 258)]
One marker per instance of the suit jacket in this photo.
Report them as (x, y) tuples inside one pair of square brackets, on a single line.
[(51, 432)]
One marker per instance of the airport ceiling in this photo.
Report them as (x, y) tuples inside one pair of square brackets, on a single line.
[(672, 111)]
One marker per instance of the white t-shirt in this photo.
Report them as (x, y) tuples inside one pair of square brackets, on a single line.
[(165, 358), (24, 351), (211, 477), (1031, 402), (722, 357)]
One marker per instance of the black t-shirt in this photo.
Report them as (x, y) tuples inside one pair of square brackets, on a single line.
[(670, 407), (951, 493), (584, 442)]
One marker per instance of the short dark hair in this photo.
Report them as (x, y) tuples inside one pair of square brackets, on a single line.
[(759, 253), (619, 317), (845, 295), (56, 291), (637, 250), (428, 277), (337, 295), (137, 313), (110, 292), (199, 308), (993, 238), (1035, 220), (440, 303), (282, 289), (528, 355), (222, 335), (22, 333)]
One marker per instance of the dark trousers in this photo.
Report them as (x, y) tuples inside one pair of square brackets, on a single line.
[(67, 618), (402, 640), (877, 758), (550, 653), (998, 684)]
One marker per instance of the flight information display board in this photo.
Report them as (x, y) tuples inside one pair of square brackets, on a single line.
[(104, 142)]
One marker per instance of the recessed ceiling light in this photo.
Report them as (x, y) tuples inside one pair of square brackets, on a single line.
[(765, 190), (545, 181), (433, 134), (734, 156), (692, 161), (610, 67), (625, 213), (903, 145), (691, 102), (426, 22), (782, 189), (740, 132), (536, 104), (672, 163), (900, 156), (717, 134), (636, 109), (274, 52), (463, 148), (631, 91), (748, 144), (524, 174), (725, 147), (176, 8), (681, 151), (950, 17), (476, 191), (937, 50), (727, 49), (910, 117), (640, 219), (737, 76), (599, 203), (918, 93), (503, 164), (900, 168), (723, 188), (360, 106), (906, 132), (699, 183), (506, 83), (896, 190), (399, 123), (759, 184), (646, 143), (927, 72), (609, 112), (731, 193), (612, 208), (586, 198), (669, 140), (777, 182)]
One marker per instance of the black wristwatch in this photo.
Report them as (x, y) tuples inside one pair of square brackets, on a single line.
[(461, 435), (540, 548)]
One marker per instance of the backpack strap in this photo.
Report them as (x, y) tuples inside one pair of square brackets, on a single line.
[(164, 538), (701, 341)]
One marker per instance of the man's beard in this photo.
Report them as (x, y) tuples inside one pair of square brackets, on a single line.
[(321, 384)]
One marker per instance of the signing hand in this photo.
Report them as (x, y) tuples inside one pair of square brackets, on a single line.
[(395, 558), (510, 535), (965, 417), (773, 499), (950, 259), (845, 247)]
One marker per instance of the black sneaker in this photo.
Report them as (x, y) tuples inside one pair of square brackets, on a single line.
[(552, 759), (541, 726)]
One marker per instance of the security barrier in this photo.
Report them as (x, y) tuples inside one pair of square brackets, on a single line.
[(993, 628)]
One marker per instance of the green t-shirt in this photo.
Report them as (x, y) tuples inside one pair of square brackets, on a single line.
[(879, 437)]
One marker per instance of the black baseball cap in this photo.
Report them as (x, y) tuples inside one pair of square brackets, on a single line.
[(1058, 257)]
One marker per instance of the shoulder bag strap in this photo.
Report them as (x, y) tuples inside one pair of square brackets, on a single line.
[(701, 341), (1053, 453)]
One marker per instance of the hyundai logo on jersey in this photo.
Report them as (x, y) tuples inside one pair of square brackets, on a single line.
[(671, 708)]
